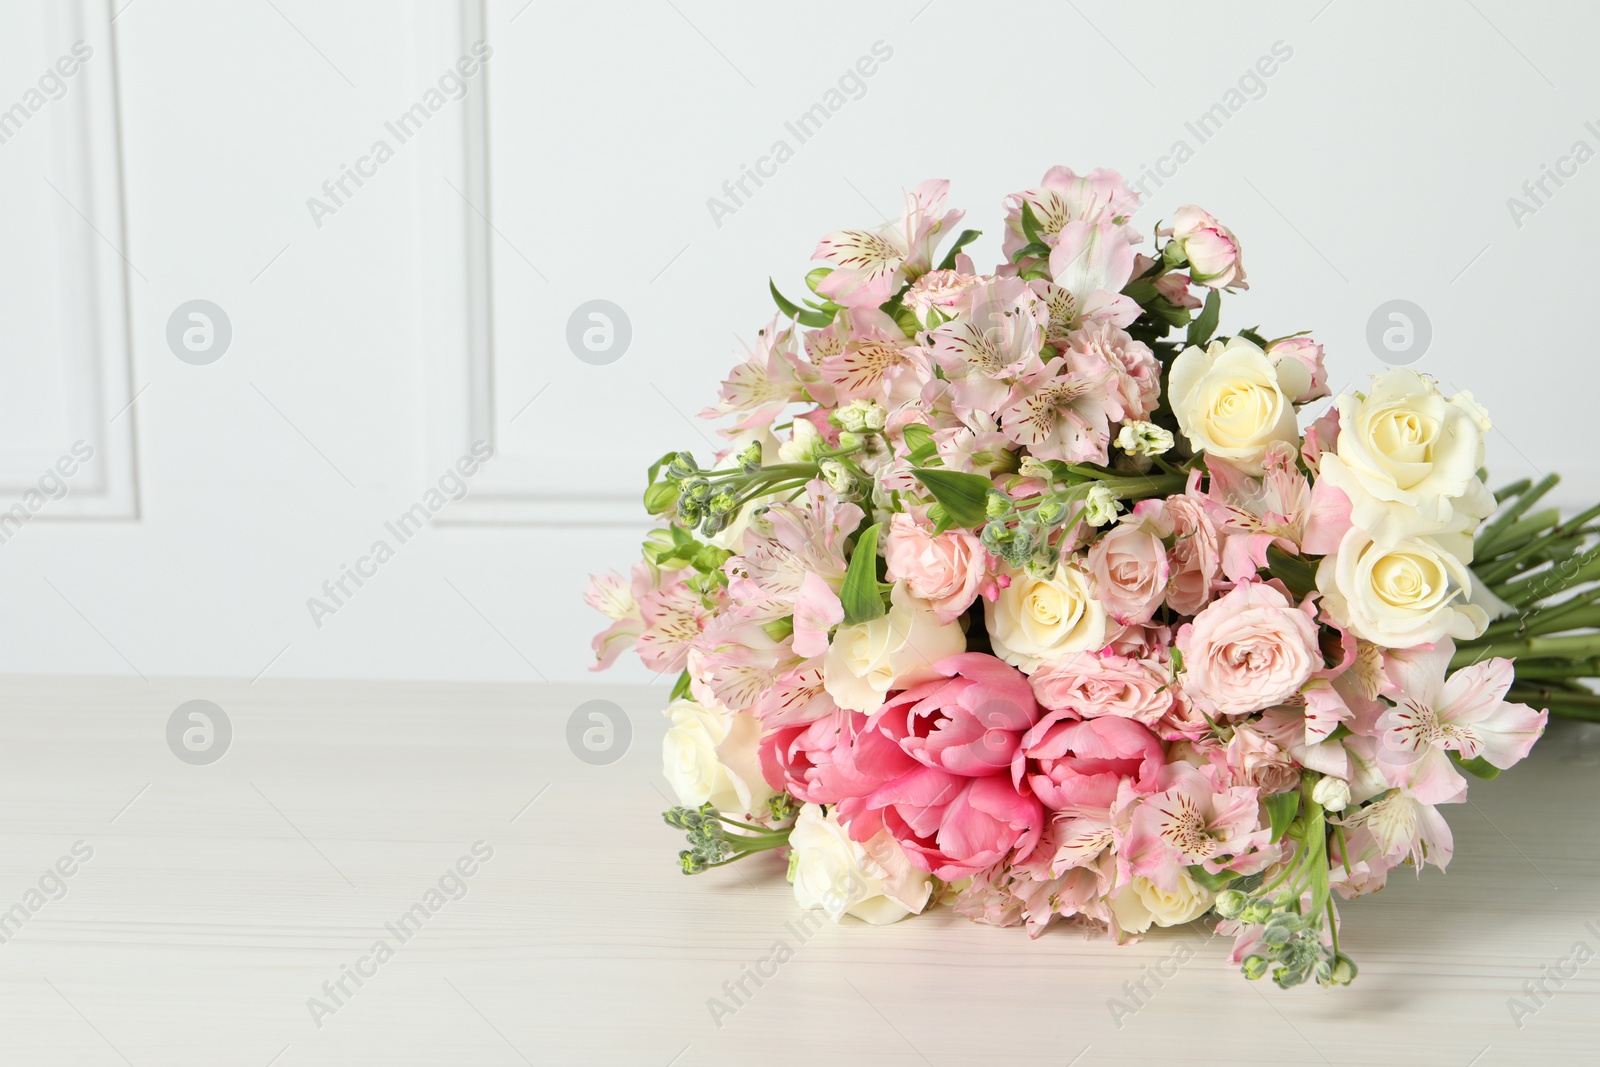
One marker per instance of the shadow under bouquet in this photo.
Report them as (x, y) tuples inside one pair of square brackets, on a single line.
[(1029, 594)]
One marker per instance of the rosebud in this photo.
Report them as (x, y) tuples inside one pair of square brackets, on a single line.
[(1332, 793)]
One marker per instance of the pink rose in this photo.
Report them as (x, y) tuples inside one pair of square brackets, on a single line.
[(1212, 249), (1130, 570), (1094, 684), (1195, 558), (1248, 650), (931, 767), (1307, 353), (949, 570), (1256, 761), (1074, 764), (1135, 372)]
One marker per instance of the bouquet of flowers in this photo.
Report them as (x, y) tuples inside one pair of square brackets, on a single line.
[(1005, 597)]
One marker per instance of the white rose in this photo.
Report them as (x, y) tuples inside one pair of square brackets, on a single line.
[(1231, 401), (897, 650), (710, 755), (874, 882), (1035, 619), (1408, 458), (1410, 593), (1141, 903)]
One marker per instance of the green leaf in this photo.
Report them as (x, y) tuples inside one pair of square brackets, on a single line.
[(1250, 334), (814, 278), (860, 596), (1034, 249), (1214, 882), (680, 688), (962, 495), (1296, 572), (1479, 766), (1030, 223), (919, 444), (1281, 809), (965, 238), (1201, 329), (801, 315), (655, 468)]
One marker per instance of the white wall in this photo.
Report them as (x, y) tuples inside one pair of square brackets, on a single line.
[(368, 352)]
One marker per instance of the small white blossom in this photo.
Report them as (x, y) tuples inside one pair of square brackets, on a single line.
[(861, 415), (838, 476), (803, 444), (1143, 439), (1100, 507), (1332, 793)]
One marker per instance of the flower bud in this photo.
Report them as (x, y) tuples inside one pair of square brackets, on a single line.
[(1144, 439), (996, 505), (860, 416), (1100, 507), (1255, 966), (750, 458), (1230, 902), (1035, 468), (1332, 793), (849, 439), (838, 476)]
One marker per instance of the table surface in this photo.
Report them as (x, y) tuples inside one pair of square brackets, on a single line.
[(221, 905)]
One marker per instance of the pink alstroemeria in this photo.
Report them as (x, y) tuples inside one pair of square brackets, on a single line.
[(869, 265), (1089, 265), (617, 599), (1065, 411), (1193, 821), (1405, 827), (1280, 508), (992, 345), (1466, 713), (763, 385), (673, 617), (797, 567), (1100, 197)]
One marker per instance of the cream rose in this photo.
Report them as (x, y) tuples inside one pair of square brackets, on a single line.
[(1408, 458), (874, 881), (710, 756), (1141, 904), (1410, 593), (1035, 619), (893, 651), (1232, 401)]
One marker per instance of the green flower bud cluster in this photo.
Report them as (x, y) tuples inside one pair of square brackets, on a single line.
[(1290, 947), (710, 843), (1024, 537)]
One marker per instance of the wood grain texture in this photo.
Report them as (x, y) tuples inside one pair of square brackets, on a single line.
[(223, 897)]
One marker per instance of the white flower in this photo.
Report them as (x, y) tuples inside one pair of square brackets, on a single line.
[(1141, 904), (1232, 402), (1144, 439), (861, 415), (838, 476), (894, 651), (1100, 506), (1410, 593), (803, 445), (1408, 458), (1035, 619), (872, 881), (710, 756), (1332, 793)]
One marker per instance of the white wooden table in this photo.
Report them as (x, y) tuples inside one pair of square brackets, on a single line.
[(220, 898)]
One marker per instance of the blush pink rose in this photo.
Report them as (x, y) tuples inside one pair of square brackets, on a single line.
[(1130, 570), (1254, 760), (1195, 558), (1248, 650), (1092, 684), (1307, 353), (949, 570), (1078, 765)]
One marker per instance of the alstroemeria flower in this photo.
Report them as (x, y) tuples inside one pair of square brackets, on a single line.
[(1466, 713), (1193, 822), (1065, 411), (869, 265)]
